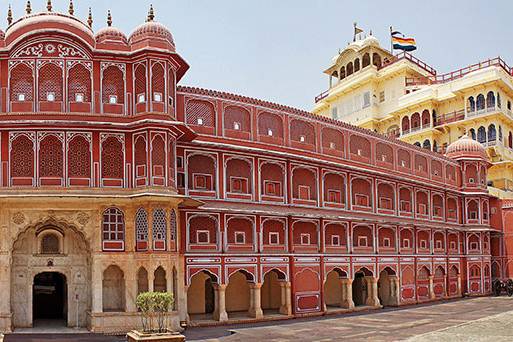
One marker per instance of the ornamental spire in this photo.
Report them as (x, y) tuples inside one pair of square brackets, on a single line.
[(49, 5), (90, 18), (28, 8), (109, 19), (151, 14), (9, 15), (71, 9)]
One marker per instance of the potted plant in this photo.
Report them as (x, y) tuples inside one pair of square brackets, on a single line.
[(154, 308)]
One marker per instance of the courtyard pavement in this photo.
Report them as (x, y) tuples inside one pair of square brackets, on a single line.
[(471, 319)]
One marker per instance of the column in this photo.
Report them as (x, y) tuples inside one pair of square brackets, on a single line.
[(458, 285), (286, 306), (97, 288), (255, 307), (347, 293), (431, 288), (151, 280), (395, 290), (372, 291), (220, 309), (130, 289)]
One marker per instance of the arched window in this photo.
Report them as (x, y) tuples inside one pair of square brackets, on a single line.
[(417, 144), (112, 163), (141, 229), (113, 88), (22, 160), (51, 159), (157, 83), (113, 289), (499, 100), (158, 160), (480, 102), (365, 60), (510, 140), (472, 133), (500, 133), (113, 228), (22, 83), (349, 68), (492, 134), (172, 225), (140, 87), (481, 134), (490, 99), (79, 159), (342, 73), (471, 104), (356, 64), (50, 83), (159, 229), (376, 60), (426, 144), (79, 85), (405, 124)]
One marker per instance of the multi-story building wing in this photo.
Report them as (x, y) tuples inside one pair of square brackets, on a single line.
[(114, 181), (403, 97)]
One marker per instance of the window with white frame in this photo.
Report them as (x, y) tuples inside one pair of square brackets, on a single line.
[(406, 243), (79, 97), (236, 126), (50, 96), (439, 244), (141, 98), (157, 97), (159, 227), (272, 188), (113, 226), (302, 138), (274, 238), (113, 99), (423, 244), (362, 241), (453, 245), (386, 242), (141, 225), (202, 237), (270, 132), (21, 97), (305, 238), (240, 238), (335, 240), (474, 246), (199, 121), (333, 145)]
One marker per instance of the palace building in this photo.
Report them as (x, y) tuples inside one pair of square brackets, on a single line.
[(403, 97), (116, 181)]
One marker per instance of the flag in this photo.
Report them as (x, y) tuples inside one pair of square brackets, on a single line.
[(402, 43), (357, 30)]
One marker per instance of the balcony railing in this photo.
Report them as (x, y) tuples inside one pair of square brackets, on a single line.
[(449, 117), (450, 76)]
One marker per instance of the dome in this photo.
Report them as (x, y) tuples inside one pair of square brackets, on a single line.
[(152, 34), (110, 35), (466, 148)]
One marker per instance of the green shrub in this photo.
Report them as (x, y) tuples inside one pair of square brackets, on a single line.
[(154, 306)]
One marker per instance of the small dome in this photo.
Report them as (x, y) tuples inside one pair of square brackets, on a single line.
[(466, 148), (152, 34), (110, 35)]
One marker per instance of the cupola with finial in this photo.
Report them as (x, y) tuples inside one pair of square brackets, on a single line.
[(110, 37), (71, 8), (28, 8), (151, 34), (49, 5)]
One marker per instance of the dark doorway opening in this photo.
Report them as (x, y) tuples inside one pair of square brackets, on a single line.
[(359, 289), (209, 296), (49, 296)]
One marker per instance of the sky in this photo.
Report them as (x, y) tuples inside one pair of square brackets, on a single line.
[(276, 50)]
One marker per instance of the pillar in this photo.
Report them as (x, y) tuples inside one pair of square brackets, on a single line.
[(395, 291), (347, 293), (458, 285), (97, 288), (220, 313), (286, 303), (431, 288), (255, 302), (130, 289), (372, 291)]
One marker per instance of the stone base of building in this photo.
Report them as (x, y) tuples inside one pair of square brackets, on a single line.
[(122, 322), (5, 323)]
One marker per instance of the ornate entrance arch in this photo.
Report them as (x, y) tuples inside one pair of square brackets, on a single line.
[(55, 250)]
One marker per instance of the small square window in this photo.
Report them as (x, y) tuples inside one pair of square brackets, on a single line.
[(50, 97), (439, 244), (170, 101), (270, 132), (79, 97), (403, 163), (141, 98), (423, 244), (362, 241), (274, 238), (236, 126), (453, 245), (335, 240), (157, 97), (302, 138), (240, 237), (113, 99), (200, 121), (406, 243), (471, 180), (386, 242), (305, 239), (203, 236), (359, 152), (21, 97), (332, 145)]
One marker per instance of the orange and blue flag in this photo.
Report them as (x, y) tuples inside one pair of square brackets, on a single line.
[(403, 43)]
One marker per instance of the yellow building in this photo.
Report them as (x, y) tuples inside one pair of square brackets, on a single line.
[(403, 97)]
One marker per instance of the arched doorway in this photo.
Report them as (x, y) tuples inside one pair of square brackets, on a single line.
[(272, 296), (49, 297), (387, 292), (360, 287), (238, 294), (56, 255), (335, 290), (201, 296)]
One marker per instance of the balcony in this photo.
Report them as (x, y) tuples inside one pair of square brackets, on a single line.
[(460, 115), (415, 130)]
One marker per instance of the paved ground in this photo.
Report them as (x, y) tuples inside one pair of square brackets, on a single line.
[(476, 319), (422, 323)]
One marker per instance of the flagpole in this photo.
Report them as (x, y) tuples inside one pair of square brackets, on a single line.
[(391, 43)]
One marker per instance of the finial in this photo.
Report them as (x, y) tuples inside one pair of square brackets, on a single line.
[(49, 5), (151, 14), (370, 33), (28, 8), (109, 19), (9, 15), (90, 18), (71, 9)]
